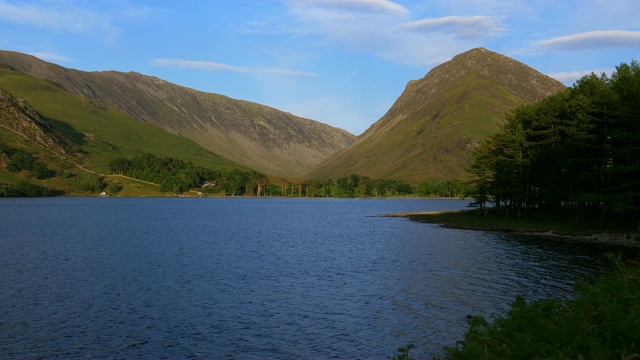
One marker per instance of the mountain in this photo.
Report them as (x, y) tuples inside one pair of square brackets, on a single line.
[(432, 127), (53, 142), (83, 131), (257, 136)]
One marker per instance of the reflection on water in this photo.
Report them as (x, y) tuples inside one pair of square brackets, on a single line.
[(258, 278)]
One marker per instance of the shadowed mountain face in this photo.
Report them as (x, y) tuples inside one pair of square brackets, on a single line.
[(257, 136), (433, 126), (21, 118)]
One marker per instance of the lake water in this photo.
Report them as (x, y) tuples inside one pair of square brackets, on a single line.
[(236, 278)]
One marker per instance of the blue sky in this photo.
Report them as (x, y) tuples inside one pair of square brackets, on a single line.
[(341, 62)]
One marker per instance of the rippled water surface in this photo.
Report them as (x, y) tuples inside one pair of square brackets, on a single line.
[(257, 278)]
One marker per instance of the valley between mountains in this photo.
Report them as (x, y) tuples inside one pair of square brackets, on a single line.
[(65, 119)]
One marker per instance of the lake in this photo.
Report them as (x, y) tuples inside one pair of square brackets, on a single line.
[(258, 278)]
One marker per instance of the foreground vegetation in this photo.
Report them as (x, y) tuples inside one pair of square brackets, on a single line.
[(602, 321)]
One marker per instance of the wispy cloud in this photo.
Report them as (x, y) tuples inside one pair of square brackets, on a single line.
[(200, 65), (57, 16), (338, 24), (594, 40), (214, 66), (569, 77), (357, 5), (420, 33), (459, 26), (51, 57)]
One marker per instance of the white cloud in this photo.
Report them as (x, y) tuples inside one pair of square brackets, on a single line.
[(356, 5), (570, 77), (594, 40), (200, 65), (459, 26), (63, 17), (51, 57), (334, 25), (214, 66)]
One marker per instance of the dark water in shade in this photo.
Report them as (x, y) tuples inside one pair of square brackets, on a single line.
[(257, 278)]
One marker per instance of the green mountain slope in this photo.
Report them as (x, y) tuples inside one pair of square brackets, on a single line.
[(84, 131), (430, 130), (254, 135), (19, 117)]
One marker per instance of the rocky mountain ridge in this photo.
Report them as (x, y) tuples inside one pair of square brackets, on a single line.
[(21, 118)]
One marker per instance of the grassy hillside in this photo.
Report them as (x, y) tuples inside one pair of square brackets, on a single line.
[(260, 137), (100, 134), (82, 138), (438, 120)]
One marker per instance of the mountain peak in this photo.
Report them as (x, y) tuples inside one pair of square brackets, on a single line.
[(525, 82), (478, 50), (430, 130), (478, 57)]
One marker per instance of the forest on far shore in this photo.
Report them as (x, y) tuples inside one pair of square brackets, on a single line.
[(178, 176)]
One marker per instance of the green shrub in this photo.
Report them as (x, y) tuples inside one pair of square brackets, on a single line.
[(96, 184), (41, 171), (403, 353), (21, 160), (25, 188), (114, 187), (601, 322)]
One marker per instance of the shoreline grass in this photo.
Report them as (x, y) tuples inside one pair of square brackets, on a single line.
[(557, 227)]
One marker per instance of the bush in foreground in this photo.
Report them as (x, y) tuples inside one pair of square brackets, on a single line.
[(601, 322)]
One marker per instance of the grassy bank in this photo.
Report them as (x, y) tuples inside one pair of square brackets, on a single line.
[(473, 220)]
